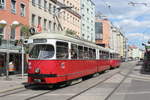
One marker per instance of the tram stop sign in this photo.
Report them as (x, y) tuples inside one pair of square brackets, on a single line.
[(32, 30)]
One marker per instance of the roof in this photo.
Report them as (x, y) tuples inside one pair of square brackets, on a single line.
[(64, 37)]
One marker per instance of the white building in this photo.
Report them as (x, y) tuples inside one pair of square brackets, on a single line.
[(88, 20), (135, 53)]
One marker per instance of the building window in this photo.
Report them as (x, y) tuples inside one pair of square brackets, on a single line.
[(33, 2), (39, 20), (45, 21), (33, 20), (13, 6), (1, 31), (99, 30), (87, 10), (45, 5), (50, 8), (39, 3), (54, 9), (54, 26), (22, 9), (50, 24), (2, 4), (64, 1), (13, 31)]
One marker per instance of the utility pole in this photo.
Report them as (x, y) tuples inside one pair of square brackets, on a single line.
[(56, 15), (135, 3)]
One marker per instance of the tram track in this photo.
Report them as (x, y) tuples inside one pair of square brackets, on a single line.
[(119, 84), (15, 91), (11, 92), (50, 91), (85, 90), (112, 92), (38, 95)]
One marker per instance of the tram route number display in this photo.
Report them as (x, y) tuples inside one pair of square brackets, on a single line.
[(39, 41)]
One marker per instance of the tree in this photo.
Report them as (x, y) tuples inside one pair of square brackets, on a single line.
[(25, 31), (26, 34), (71, 32)]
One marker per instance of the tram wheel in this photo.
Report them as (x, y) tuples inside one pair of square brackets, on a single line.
[(53, 86), (68, 83)]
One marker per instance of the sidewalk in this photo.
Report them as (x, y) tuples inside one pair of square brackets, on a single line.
[(15, 82)]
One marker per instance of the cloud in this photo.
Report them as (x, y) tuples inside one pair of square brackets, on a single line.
[(124, 15), (120, 9), (139, 36), (131, 25), (132, 20)]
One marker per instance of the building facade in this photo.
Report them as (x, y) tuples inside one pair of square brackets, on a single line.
[(111, 37), (42, 15), (135, 53), (11, 12), (87, 20), (54, 15), (118, 42), (70, 18), (103, 32)]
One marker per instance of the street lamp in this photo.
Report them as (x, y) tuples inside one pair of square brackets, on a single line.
[(14, 24)]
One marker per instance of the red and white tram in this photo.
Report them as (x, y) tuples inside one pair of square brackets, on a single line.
[(56, 58)]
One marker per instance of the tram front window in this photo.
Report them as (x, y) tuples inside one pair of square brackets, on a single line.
[(42, 51)]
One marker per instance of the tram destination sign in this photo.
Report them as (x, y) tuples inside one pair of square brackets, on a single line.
[(39, 41)]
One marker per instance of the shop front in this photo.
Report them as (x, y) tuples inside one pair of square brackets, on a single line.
[(14, 66)]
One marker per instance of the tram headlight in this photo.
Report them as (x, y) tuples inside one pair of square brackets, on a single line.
[(37, 70)]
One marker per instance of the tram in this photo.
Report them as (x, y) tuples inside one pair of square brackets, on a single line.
[(55, 58)]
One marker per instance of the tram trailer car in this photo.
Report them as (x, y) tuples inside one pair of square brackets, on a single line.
[(114, 61), (56, 58)]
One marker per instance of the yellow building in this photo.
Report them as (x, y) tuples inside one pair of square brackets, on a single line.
[(70, 18)]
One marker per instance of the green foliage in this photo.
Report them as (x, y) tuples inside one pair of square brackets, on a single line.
[(70, 32), (26, 34), (25, 31)]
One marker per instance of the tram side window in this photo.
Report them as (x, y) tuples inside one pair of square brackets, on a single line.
[(94, 54), (115, 56), (62, 50), (74, 51), (111, 56), (90, 53), (80, 52), (100, 54), (104, 55), (86, 54), (107, 55)]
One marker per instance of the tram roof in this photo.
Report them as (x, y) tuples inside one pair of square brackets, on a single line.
[(64, 37)]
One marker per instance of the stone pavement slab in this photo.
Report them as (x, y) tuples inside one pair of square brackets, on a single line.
[(14, 82)]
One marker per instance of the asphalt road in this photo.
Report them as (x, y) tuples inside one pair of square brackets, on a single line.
[(124, 83)]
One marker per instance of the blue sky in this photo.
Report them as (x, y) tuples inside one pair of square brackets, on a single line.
[(134, 21)]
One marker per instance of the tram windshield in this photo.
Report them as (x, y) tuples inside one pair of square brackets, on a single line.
[(42, 51)]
